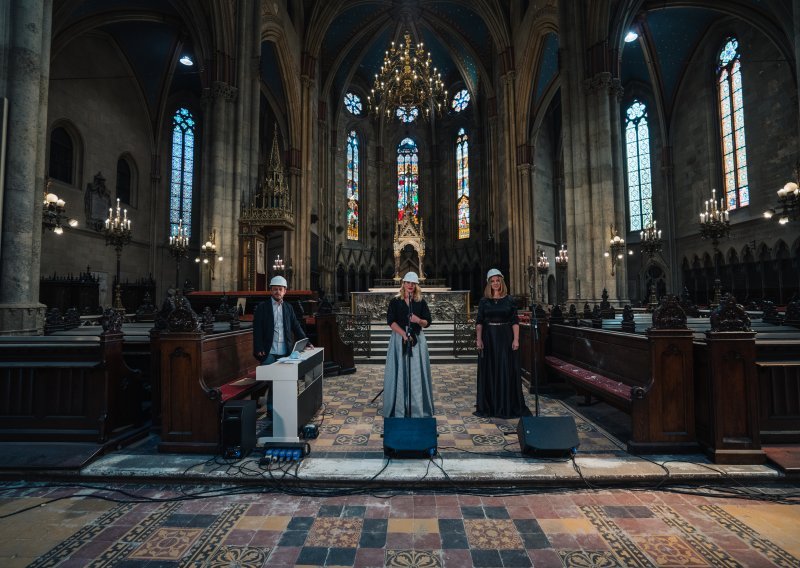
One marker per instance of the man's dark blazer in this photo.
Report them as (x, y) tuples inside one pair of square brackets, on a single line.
[(264, 327)]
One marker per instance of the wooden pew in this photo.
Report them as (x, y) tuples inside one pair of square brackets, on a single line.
[(199, 374), (648, 376), (69, 389)]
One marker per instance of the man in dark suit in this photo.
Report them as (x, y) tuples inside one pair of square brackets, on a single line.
[(270, 340)]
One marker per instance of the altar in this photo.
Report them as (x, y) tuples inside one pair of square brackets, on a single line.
[(444, 303)]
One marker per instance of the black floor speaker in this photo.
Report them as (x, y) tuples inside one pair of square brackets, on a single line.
[(238, 428), (409, 437), (547, 436)]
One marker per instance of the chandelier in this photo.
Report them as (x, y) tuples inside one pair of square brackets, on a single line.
[(651, 241), (616, 245), (407, 84)]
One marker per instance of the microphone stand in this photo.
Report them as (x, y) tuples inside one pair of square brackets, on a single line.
[(409, 346), (534, 365)]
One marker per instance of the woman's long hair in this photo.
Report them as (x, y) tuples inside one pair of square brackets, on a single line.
[(487, 291), (417, 292)]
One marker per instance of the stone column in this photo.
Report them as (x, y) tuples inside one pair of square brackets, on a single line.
[(301, 180), (26, 43), (245, 135), (594, 189), (528, 230)]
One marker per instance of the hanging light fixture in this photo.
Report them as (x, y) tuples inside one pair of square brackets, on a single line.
[(407, 84)]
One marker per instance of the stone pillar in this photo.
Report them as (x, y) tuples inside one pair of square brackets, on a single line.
[(528, 230), (301, 180), (594, 188), (218, 186), (245, 135), (26, 42)]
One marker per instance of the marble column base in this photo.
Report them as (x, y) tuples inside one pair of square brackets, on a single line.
[(22, 319)]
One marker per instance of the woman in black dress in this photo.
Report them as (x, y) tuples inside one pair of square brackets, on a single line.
[(499, 381), (407, 357)]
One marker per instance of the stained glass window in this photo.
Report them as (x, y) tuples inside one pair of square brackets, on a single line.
[(352, 186), (407, 179), (407, 114), (462, 183), (637, 150), (731, 111), (461, 100), (180, 190), (352, 102)]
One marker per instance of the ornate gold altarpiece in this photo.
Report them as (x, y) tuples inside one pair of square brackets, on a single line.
[(408, 232), (267, 209)]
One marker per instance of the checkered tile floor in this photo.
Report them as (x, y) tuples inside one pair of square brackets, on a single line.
[(350, 423), (578, 528)]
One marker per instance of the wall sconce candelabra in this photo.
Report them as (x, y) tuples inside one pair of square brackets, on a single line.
[(208, 253), (788, 208), (281, 268), (542, 267), (651, 239), (54, 211), (714, 226), (615, 247), (278, 266), (178, 249), (118, 231), (562, 262)]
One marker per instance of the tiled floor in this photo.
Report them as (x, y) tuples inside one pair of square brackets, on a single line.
[(577, 528), (273, 520)]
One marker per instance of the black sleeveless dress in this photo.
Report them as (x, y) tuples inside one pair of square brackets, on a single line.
[(499, 380)]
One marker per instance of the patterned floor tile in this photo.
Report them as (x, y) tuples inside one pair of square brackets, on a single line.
[(332, 532), (670, 550), (415, 558), (492, 534), (167, 544)]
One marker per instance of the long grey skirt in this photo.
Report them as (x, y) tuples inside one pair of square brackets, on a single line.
[(394, 379)]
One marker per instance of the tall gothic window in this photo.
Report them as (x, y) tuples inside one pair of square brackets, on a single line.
[(352, 186), (62, 155), (731, 115), (637, 149), (180, 190), (407, 178), (462, 183)]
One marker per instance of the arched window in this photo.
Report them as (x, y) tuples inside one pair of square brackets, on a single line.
[(180, 191), (124, 180), (352, 185), (731, 116), (637, 150), (460, 100), (462, 183), (62, 156), (407, 114), (352, 102), (407, 178)]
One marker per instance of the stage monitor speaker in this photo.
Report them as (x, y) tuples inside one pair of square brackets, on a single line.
[(238, 428), (547, 436), (409, 437)]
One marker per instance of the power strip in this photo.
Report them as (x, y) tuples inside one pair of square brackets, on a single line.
[(284, 452)]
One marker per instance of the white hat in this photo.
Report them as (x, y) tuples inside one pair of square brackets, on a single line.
[(279, 281), (411, 277), (493, 272)]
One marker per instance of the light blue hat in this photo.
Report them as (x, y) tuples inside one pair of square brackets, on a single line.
[(279, 281), (411, 277), (493, 272)]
